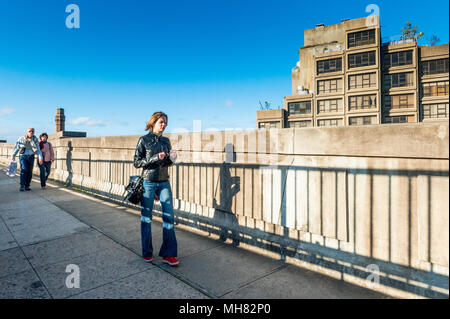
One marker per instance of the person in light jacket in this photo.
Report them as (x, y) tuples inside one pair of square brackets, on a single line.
[(27, 146)]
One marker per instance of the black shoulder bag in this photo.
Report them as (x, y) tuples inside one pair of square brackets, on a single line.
[(133, 191)]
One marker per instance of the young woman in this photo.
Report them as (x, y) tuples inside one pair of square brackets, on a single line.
[(154, 154), (48, 157)]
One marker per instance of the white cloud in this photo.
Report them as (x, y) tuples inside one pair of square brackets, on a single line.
[(6, 110), (229, 103), (87, 121)]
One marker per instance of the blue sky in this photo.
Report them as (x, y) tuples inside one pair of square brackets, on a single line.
[(196, 60)]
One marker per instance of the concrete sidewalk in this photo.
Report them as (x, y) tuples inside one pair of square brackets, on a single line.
[(44, 231)]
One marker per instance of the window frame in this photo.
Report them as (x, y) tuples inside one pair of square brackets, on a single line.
[(353, 41), (299, 108), (390, 105), (362, 102), (364, 118), (427, 110), (333, 120), (398, 79), (442, 88), (308, 122), (431, 67), (365, 59), (332, 87), (329, 106), (394, 121), (324, 66), (276, 123), (365, 82)]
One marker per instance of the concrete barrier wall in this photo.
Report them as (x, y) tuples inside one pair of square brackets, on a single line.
[(342, 198)]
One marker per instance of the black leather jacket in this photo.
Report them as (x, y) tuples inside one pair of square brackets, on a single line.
[(146, 156)]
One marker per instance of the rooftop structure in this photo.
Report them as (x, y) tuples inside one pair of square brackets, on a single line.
[(347, 76)]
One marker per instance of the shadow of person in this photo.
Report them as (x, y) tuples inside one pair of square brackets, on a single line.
[(69, 164), (229, 187)]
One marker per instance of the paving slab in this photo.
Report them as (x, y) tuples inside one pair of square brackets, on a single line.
[(225, 268), (13, 261), (37, 218), (307, 285), (22, 201), (96, 269), (24, 285), (58, 194), (60, 249), (8, 181), (95, 214), (3, 228), (123, 233), (81, 205), (51, 231), (113, 218), (7, 241), (33, 219), (153, 283)]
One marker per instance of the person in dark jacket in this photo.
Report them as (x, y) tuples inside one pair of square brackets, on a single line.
[(154, 154), (49, 157)]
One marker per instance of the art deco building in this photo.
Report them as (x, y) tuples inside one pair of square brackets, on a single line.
[(347, 76)]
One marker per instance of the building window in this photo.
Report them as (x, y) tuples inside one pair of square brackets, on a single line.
[(299, 107), (327, 106), (267, 125), (360, 81), (439, 88), (361, 38), (362, 120), (435, 66), (361, 59), (402, 101), (398, 58), (362, 102), (398, 80), (329, 86), (398, 119), (330, 122), (299, 124), (432, 111), (327, 66)]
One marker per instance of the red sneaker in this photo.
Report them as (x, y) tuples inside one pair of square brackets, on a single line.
[(148, 259), (172, 261)]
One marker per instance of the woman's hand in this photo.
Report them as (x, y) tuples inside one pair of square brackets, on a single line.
[(173, 155), (161, 156)]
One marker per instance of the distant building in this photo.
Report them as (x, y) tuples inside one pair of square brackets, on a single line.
[(346, 76)]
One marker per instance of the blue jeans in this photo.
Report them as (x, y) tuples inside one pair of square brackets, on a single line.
[(45, 171), (26, 169), (169, 243)]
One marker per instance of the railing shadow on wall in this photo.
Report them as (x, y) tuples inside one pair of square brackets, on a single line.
[(224, 223)]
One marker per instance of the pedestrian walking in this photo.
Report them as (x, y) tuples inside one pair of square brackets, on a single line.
[(154, 155), (27, 146), (49, 157)]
